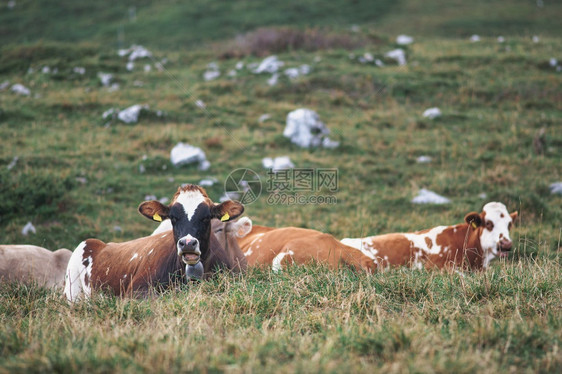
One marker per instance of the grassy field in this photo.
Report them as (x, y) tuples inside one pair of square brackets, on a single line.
[(78, 176)]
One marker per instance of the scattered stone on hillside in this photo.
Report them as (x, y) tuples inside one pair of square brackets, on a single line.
[(110, 114), (45, 70), (501, 39), (273, 80), (79, 70), (4, 85), (483, 195), (164, 200), (264, 117), (270, 65), (404, 40), (429, 197), (11, 4), (475, 38), (114, 87), (397, 54), (432, 113), (424, 160), (329, 143), (117, 229), (212, 72), (105, 78), (20, 89), (294, 73), (28, 228), (134, 52), (239, 65), (553, 62), (200, 104), (131, 114), (142, 169), (277, 163), (147, 68), (232, 73), (130, 66), (184, 153), (208, 182), (305, 129), (13, 163), (556, 188), (150, 197), (366, 58), (536, 39)]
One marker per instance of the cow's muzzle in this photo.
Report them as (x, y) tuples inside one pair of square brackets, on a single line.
[(188, 250), (504, 246)]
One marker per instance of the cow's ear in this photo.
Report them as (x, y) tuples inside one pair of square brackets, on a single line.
[(513, 216), (154, 210), (473, 219), (227, 210), (243, 227)]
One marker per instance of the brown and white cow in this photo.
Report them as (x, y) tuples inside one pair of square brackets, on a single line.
[(469, 245), (132, 268), (277, 247), (29, 264)]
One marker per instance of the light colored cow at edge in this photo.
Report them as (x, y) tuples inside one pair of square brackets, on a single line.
[(470, 245), (29, 264)]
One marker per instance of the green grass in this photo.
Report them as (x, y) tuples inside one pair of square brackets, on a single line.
[(495, 100)]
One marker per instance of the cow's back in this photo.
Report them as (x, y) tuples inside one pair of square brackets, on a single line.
[(31, 264)]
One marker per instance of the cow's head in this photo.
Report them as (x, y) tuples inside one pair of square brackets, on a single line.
[(493, 224), (190, 214), (227, 232)]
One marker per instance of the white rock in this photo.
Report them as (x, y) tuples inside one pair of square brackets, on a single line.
[(429, 197), (208, 182), (110, 113), (536, 39), (28, 228), (79, 70), (553, 62), (20, 89), (130, 66), (164, 200), (423, 159), (13, 162), (131, 114), (135, 52), (142, 169), (482, 195), (46, 70), (379, 62), (117, 229), (147, 68), (184, 153), (204, 165), (305, 129), (329, 143), (273, 80), (200, 104), (277, 163), (114, 87), (292, 73), (397, 54), (105, 78), (210, 75), (432, 113), (501, 39), (239, 65), (270, 64), (150, 197), (264, 117), (475, 38), (4, 85), (404, 40), (232, 73), (556, 188)]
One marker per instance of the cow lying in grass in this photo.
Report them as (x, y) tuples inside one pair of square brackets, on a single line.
[(277, 247), (29, 264), (469, 245), (132, 268)]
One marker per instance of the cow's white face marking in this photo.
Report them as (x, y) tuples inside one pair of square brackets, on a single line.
[(490, 240), (190, 200), (276, 264), (420, 240)]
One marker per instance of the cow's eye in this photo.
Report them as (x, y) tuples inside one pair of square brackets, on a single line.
[(489, 225)]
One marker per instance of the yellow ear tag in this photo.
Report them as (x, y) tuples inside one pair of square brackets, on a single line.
[(225, 217), (474, 225), (157, 217)]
